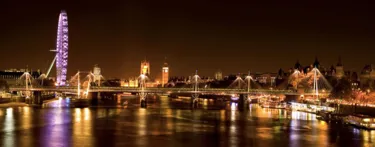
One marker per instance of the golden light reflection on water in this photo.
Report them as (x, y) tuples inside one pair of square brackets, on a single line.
[(368, 137), (233, 140), (1, 112), (222, 120), (76, 126), (26, 117), (169, 121), (9, 126), (86, 113), (319, 129), (164, 102), (264, 132), (142, 120), (26, 126), (233, 112), (205, 104), (77, 114), (303, 116), (141, 127), (305, 127), (82, 127)]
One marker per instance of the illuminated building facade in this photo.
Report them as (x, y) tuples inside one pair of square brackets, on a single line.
[(97, 73), (165, 74), (12, 76), (367, 77), (265, 78), (132, 82), (219, 76), (145, 68), (339, 69)]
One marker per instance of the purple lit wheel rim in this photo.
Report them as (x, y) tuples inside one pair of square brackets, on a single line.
[(62, 45)]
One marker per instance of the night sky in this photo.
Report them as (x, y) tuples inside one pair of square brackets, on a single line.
[(233, 36)]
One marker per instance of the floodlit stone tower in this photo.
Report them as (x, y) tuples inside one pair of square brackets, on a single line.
[(165, 74)]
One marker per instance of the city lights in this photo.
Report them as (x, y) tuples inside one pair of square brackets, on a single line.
[(290, 98)]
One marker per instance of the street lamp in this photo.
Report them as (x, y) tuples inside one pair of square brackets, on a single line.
[(143, 76), (248, 78)]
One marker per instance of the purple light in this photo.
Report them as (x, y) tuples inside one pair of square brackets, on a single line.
[(62, 45)]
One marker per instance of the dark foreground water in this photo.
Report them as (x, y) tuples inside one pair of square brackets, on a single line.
[(170, 123)]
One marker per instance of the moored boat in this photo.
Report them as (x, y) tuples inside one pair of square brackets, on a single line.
[(330, 116), (275, 105), (361, 121)]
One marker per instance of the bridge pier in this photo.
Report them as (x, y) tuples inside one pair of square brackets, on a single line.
[(36, 98), (194, 101), (242, 102), (104, 98), (143, 103), (143, 99), (94, 98)]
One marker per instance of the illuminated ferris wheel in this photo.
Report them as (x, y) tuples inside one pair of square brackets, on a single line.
[(62, 45)]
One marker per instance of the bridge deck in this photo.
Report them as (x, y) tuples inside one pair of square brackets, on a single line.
[(154, 90)]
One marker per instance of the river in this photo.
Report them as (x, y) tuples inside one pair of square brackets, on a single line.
[(171, 123)]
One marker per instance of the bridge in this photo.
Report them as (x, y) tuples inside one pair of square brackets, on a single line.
[(222, 91), (88, 88)]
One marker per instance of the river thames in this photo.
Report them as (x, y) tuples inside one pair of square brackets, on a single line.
[(170, 123)]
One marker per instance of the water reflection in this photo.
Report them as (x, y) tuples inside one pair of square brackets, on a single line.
[(142, 127), (9, 126), (55, 131), (233, 127), (82, 127), (58, 103), (26, 126), (166, 124)]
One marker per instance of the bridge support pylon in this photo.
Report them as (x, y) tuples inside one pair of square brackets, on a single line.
[(195, 95), (93, 98), (143, 94), (143, 101), (242, 102), (36, 98), (194, 102)]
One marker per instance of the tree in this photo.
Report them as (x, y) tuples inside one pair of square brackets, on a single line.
[(342, 89), (4, 85), (45, 82), (112, 83)]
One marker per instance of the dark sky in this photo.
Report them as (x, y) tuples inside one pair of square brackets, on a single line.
[(234, 36)]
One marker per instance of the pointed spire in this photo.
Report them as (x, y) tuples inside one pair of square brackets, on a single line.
[(165, 62), (280, 72), (297, 65), (316, 62)]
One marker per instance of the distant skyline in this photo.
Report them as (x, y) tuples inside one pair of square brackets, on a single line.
[(197, 35)]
